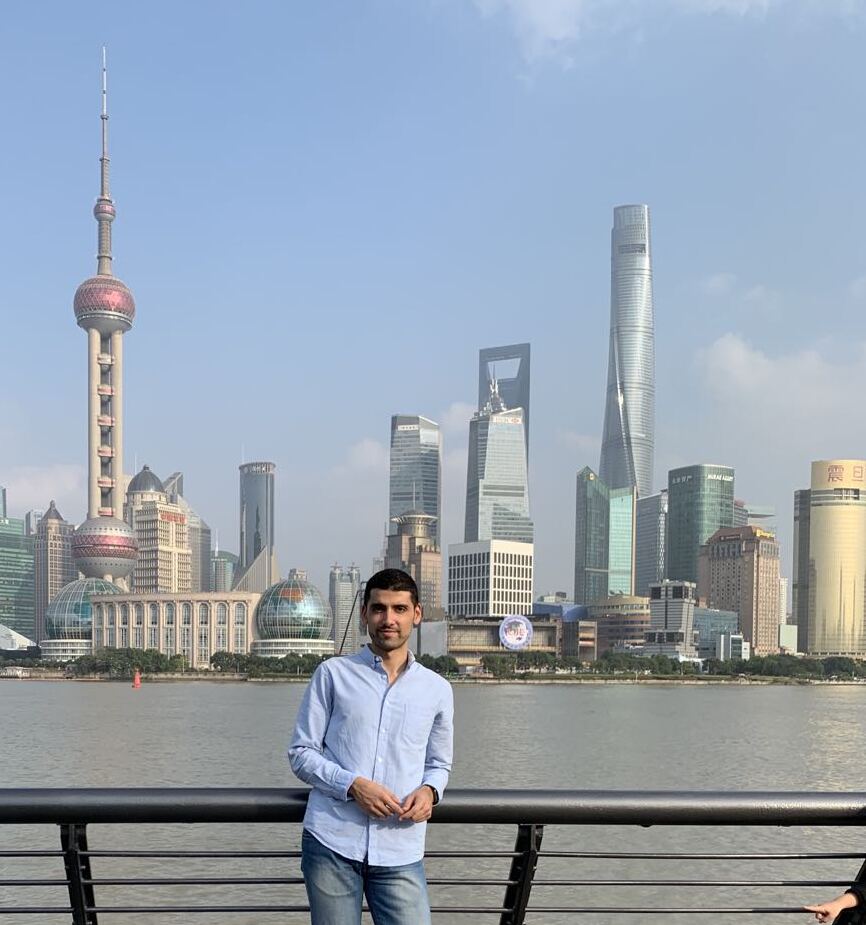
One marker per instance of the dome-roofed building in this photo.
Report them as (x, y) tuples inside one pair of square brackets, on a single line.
[(146, 481), (69, 619), (292, 617)]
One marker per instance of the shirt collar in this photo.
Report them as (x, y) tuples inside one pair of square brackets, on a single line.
[(369, 657)]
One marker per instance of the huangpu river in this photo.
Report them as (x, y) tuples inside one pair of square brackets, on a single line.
[(679, 737)]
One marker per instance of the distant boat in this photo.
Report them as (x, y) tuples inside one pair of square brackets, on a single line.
[(136, 680)]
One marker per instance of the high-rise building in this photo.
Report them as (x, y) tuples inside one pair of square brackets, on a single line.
[(17, 589), (344, 596), (31, 521), (800, 570), (836, 615), (490, 578), (104, 545), (223, 567), (700, 501), (650, 537), (414, 550), (497, 485), (629, 420), (591, 538), (621, 540), (738, 569), (783, 601), (416, 468), (162, 534), (509, 366), (199, 536), (672, 615), (710, 623), (755, 515), (53, 565), (257, 567)]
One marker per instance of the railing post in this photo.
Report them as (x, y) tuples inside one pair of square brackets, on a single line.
[(523, 866), (73, 840)]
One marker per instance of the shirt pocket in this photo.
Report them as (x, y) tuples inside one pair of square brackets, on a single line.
[(416, 726)]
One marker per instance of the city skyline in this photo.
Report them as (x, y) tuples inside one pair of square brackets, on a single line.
[(743, 370)]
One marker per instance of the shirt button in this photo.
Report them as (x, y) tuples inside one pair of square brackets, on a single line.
[(379, 760)]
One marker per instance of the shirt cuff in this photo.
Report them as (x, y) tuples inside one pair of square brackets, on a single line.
[(342, 781), (438, 780)]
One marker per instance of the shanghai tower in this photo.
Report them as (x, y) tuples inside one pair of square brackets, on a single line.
[(629, 417)]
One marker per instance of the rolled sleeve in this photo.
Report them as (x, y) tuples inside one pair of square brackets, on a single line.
[(440, 745), (307, 748)]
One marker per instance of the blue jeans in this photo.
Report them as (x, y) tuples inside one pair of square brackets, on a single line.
[(335, 887)]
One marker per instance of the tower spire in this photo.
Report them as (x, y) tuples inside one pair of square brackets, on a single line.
[(104, 211)]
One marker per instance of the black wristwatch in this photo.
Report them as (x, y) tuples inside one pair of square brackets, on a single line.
[(435, 793)]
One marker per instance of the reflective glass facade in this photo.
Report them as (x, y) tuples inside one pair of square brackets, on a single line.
[(700, 501), (591, 538), (416, 468), (256, 510), (293, 609), (17, 584), (497, 487), (652, 519), (343, 587), (509, 366), (629, 418), (621, 541), (70, 614)]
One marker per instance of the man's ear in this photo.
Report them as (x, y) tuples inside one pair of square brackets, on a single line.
[(419, 613)]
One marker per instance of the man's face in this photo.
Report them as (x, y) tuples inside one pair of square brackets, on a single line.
[(390, 617)]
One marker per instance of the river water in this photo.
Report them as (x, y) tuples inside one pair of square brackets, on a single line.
[(679, 737)]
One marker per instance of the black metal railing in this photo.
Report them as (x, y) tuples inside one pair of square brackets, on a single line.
[(87, 888)]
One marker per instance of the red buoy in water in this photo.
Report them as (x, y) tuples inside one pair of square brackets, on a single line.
[(136, 680)]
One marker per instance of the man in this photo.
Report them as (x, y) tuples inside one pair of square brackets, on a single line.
[(373, 738)]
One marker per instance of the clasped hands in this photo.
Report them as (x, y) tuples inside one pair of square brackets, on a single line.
[(380, 803)]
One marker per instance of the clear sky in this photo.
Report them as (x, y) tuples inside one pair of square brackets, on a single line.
[(325, 209)]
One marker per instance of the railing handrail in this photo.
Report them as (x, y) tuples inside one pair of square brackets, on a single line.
[(460, 806)]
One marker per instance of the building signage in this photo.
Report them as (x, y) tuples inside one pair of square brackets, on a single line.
[(172, 517), (407, 427), (515, 632), (719, 477)]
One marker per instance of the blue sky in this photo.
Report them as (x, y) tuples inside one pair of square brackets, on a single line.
[(325, 210)]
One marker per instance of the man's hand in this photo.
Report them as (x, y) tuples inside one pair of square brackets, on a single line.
[(376, 801), (418, 806), (827, 912)]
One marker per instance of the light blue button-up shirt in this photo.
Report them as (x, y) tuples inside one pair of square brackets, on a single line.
[(353, 723)]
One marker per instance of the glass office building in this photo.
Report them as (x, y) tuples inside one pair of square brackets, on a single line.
[(629, 419), (497, 486), (509, 366), (416, 469), (700, 501), (650, 533), (17, 578), (591, 538), (621, 541), (256, 512)]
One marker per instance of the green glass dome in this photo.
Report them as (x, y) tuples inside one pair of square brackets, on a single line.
[(293, 609), (70, 614)]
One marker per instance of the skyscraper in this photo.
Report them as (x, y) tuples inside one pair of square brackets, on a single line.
[(344, 586), (497, 486), (223, 567), (800, 572), (509, 366), (836, 616), (490, 578), (650, 537), (738, 569), (17, 593), (104, 545), (629, 419), (700, 501), (621, 540), (591, 538), (199, 535), (416, 469), (53, 563), (414, 550), (257, 568), (162, 534)]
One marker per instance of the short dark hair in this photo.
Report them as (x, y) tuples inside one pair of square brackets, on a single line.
[(391, 579)]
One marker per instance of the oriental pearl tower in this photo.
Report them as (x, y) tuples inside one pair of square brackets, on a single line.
[(104, 545)]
